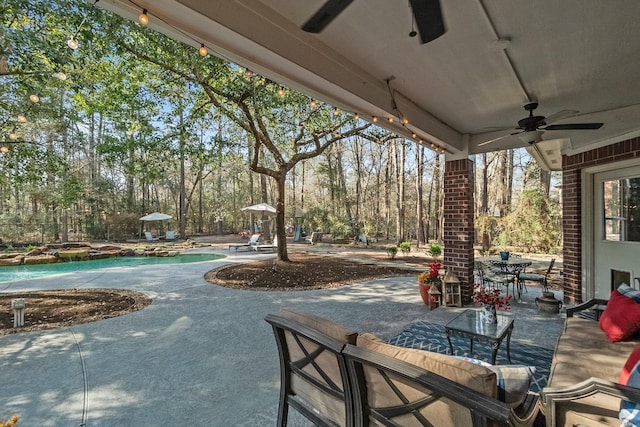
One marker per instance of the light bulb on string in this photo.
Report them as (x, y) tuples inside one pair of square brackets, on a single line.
[(4, 149), (59, 75), (313, 102), (374, 119), (22, 118), (248, 72), (34, 98), (356, 116), (203, 50), (390, 119), (413, 135), (405, 121), (72, 42), (280, 91), (13, 136), (336, 111), (143, 18)]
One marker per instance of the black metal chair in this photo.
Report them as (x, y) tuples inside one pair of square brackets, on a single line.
[(534, 277), (313, 374)]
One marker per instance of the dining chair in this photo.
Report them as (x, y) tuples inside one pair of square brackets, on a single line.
[(535, 277)]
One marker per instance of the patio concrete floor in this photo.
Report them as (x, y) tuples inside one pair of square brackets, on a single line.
[(199, 355)]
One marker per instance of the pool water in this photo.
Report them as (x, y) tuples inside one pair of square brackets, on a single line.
[(21, 272)]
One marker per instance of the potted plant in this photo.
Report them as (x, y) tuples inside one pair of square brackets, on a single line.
[(429, 278)]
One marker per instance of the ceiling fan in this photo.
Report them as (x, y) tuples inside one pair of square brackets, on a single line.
[(427, 14), (533, 127)]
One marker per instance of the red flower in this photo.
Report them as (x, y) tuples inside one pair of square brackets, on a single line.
[(434, 270), (490, 296)]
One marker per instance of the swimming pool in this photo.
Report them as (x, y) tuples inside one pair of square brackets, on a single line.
[(21, 272)]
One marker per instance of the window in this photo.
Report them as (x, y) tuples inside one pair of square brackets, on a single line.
[(622, 209)]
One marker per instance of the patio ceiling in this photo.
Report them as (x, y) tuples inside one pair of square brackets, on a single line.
[(464, 88)]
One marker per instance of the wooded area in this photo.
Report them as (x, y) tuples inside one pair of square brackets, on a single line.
[(133, 122)]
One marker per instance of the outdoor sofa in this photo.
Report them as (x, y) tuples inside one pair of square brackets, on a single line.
[(583, 388), (337, 377)]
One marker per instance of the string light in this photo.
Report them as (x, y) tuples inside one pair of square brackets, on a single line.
[(356, 116), (336, 111), (313, 102), (405, 121), (4, 149), (13, 136), (248, 72), (280, 91), (203, 50), (22, 118), (413, 135), (72, 42), (59, 75), (374, 119), (34, 98), (143, 18), (390, 119)]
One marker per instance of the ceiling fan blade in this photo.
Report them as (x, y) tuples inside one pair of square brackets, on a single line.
[(428, 16), (574, 126), (497, 139), (323, 17), (560, 115)]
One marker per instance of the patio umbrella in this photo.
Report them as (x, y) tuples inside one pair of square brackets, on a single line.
[(262, 208), (155, 216)]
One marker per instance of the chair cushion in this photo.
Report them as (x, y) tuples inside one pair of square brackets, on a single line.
[(621, 318), (513, 381), (325, 326), (477, 377), (531, 276)]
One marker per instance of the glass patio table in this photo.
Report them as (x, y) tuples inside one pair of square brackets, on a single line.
[(469, 324)]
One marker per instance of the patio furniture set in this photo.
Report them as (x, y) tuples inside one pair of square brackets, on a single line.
[(335, 376), (255, 243)]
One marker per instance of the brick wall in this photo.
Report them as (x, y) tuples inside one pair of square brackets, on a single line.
[(572, 210), (458, 221)]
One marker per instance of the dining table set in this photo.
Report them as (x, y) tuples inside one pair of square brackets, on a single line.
[(504, 271)]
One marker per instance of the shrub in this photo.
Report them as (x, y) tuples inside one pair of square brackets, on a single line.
[(405, 247), (435, 250), (392, 251)]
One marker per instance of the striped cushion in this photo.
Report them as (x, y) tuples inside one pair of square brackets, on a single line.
[(630, 292), (513, 381)]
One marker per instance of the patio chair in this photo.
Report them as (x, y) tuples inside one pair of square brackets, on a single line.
[(493, 279), (252, 242), (534, 277), (170, 235), (273, 246), (149, 237)]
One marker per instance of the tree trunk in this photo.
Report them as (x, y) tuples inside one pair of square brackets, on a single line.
[(280, 205)]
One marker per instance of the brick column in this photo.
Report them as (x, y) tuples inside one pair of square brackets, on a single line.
[(458, 221)]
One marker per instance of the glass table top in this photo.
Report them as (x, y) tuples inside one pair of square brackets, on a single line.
[(469, 321)]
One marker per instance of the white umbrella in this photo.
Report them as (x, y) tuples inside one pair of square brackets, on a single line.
[(156, 216), (262, 208)]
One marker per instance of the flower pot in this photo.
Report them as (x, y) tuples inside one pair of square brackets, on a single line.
[(504, 255), (488, 314), (424, 292)]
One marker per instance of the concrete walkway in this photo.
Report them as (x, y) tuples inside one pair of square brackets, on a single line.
[(199, 355)]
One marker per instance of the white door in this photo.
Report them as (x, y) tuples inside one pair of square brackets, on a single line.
[(616, 230)]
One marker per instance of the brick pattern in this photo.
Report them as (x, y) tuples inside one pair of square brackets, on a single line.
[(572, 211), (458, 222)]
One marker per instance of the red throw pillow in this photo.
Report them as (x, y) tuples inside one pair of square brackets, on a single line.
[(633, 359), (621, 317)]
